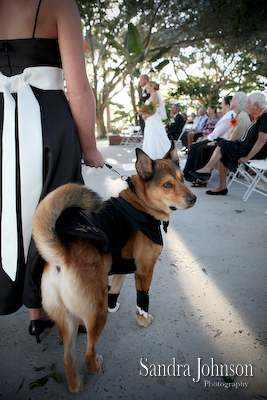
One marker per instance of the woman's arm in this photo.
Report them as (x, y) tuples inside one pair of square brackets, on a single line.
[(262, 140), (151, 98), (80, 94)]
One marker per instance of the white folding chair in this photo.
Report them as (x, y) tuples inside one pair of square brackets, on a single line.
[(243, 177), (259, 181), (132, 137), (239, 176)]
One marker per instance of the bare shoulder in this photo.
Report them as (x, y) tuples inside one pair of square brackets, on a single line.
[(63, 8)]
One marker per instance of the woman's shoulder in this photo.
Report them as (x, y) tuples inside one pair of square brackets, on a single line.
[(243, 115), (153, 97), (263, 123)]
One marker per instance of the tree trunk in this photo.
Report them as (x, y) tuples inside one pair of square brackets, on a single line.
[(132, 92), (101, 129)]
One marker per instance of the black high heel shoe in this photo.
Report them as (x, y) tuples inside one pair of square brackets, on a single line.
[(37, 327), (200, 175), (199, 183)]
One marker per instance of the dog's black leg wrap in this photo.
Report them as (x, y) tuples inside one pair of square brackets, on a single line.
[(112, 302), (142, 302)]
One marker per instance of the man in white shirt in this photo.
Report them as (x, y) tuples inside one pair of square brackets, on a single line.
[(222, 126)]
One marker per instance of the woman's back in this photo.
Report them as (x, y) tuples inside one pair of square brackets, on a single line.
[(17, 19), (19, 27)]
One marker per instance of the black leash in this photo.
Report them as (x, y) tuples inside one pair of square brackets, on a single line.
[(124, 178)]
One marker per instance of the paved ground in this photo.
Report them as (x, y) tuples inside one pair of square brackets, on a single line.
[(208, 297)]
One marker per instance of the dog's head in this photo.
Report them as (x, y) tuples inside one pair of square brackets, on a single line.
[(160, 183)]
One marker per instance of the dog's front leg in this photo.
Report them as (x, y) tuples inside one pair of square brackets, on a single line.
[(142, 284), (114, 291)]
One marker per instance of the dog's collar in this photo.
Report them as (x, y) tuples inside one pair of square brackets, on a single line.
[(130, 184), (123, 177)]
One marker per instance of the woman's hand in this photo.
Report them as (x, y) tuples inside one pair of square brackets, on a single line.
[(242, 160), (201, 138), (212, 143), (93, 158)]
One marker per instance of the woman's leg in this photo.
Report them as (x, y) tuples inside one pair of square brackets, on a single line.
[(37, 313), (223, 171), (190, 139), (216, 156)]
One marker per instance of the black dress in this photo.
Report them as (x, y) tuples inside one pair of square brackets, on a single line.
[(198, 156), (232, 151), (61, 161)]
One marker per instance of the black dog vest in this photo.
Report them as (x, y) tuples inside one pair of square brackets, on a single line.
[(110, 229)]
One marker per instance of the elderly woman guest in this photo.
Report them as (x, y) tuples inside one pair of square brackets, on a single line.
[(237, 127), (253, 144)]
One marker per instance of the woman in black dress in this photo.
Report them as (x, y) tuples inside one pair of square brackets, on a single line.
[(42, 134), (253, 144)]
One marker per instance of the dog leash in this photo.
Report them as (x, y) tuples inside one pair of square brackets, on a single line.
[(124, 178)]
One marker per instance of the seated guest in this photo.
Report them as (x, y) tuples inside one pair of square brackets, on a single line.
[(237, 127), (220, 131), (176, 124), (208, 128), (190, 120), (253, 144), (198, 124), (220, 113)]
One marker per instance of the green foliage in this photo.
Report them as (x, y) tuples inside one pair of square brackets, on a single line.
[(42, 381), (125, 37), (133, 42), (217, 72), (204, 90)]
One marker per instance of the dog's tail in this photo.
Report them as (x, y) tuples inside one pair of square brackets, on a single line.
[(49, 210)]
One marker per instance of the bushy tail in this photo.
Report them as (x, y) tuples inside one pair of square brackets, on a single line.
[(49, 210)]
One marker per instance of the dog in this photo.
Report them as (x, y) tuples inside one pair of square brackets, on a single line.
[(79, 258)]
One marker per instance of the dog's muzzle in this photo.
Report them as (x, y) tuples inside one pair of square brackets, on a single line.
[(191, 199)]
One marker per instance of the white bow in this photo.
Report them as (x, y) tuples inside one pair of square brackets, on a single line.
[(30, 156)]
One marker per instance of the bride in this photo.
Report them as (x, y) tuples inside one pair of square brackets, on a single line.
[(156, 143)]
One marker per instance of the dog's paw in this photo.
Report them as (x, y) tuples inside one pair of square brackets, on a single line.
[(78, 385), (144, 320), (115, 309), (98, 362), (94, 364)]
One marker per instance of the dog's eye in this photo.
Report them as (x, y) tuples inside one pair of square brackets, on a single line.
[(167, 185)]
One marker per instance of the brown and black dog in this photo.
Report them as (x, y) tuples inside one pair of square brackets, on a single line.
[(75, 278)]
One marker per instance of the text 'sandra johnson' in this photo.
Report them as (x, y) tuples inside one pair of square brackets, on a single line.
[(203, 370)]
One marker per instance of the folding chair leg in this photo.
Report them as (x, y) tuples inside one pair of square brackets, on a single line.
[(253, 185)]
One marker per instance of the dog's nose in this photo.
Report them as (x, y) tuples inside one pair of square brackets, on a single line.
[(191, 199)]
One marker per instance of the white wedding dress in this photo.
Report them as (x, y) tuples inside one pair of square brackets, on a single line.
[(156, 142)]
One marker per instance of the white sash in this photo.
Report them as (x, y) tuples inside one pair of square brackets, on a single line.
[(30, 156)]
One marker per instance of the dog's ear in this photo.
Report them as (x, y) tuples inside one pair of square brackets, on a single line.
[(144, 165), (173, 154)]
